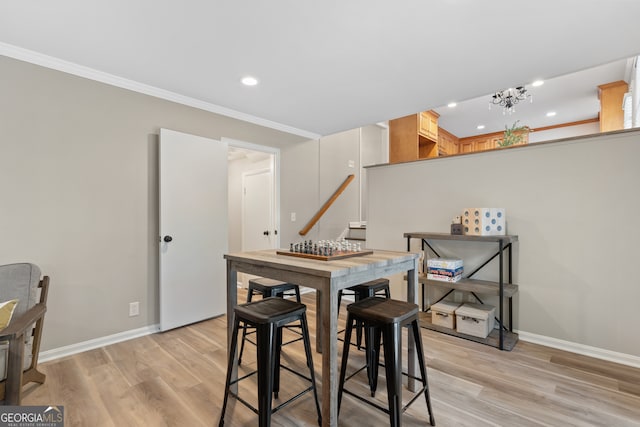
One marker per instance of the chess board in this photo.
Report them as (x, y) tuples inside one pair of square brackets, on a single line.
[(339, 255)]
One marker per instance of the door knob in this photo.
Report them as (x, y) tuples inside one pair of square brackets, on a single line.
[(167, 239), (265, 232)]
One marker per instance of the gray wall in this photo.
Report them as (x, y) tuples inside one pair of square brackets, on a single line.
[(573, 205), (312, 171), (78, 179), (299, 186), (336, 151)]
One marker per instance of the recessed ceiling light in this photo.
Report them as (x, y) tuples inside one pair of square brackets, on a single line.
[(551, 113), (537, 83), (480, 127), (249, 81), (451, 104)]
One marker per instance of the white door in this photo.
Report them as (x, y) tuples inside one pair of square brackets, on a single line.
[(258, 226), (193, 228)]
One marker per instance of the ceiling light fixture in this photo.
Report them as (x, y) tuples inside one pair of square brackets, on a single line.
[(537, 83), (508, 98), (551, 113), (249, 81), (451, 104), (480, 127)]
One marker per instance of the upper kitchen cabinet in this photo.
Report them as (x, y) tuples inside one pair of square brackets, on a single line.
[(447, 143), (429, 125), (413, 137), (611, 111), (488, 141)]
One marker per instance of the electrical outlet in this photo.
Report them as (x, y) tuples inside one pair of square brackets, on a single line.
[(352, 164), (293, 217), (134, 309)]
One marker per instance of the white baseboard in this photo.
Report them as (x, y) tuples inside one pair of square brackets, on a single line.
[(68, 350), (585, 350)]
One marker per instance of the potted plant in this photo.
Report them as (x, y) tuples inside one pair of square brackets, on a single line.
[(513, 135)]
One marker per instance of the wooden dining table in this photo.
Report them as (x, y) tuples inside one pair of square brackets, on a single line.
[(327, 278)]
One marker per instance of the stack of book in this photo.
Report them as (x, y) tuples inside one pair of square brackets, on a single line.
[(444, 269)]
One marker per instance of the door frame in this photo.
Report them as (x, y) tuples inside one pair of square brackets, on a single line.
[(276, 175)]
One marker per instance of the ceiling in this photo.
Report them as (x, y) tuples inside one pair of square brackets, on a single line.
[(252, 156), (572, 97), (323, 66)]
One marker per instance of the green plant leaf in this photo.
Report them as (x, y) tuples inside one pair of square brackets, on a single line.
[(513, 135)]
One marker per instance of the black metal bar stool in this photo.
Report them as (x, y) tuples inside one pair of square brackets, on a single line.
[(267, 288), (376, 287), (386, 317), (269, 316), (272, 288)]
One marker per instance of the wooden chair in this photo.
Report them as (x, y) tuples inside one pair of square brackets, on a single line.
[(20, 340)]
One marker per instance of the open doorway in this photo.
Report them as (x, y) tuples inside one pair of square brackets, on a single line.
[(253, 198)]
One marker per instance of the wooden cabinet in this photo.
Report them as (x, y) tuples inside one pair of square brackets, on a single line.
[(611, 112), (447, 143), (466, 146), (429, 125), (413, 137), (486, 142), (477, 143)]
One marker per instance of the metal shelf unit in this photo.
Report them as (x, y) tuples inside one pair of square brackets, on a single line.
[(504, 338)]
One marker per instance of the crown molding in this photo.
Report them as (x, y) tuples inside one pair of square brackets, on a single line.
[(113, 80)]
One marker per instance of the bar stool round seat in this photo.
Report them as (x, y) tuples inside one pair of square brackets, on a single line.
[(368, 289), (269, 316), (378, 287), (271, 288), (386, 317), (267, 288)]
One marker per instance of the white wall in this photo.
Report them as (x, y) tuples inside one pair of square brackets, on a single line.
[(78, 179), (573, 205), (565, 132), (374, 150), (299, 187), (336, 153), (313, 170), (236, 169)]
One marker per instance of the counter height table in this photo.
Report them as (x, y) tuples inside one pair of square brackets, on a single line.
[(327, 278)]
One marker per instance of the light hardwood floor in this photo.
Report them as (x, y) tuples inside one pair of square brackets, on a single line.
[(177, 378)]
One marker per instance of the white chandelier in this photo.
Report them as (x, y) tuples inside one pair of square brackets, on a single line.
[(508, 98)]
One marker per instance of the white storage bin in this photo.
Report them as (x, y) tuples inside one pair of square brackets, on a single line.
[(442, 314), (475, 319)]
